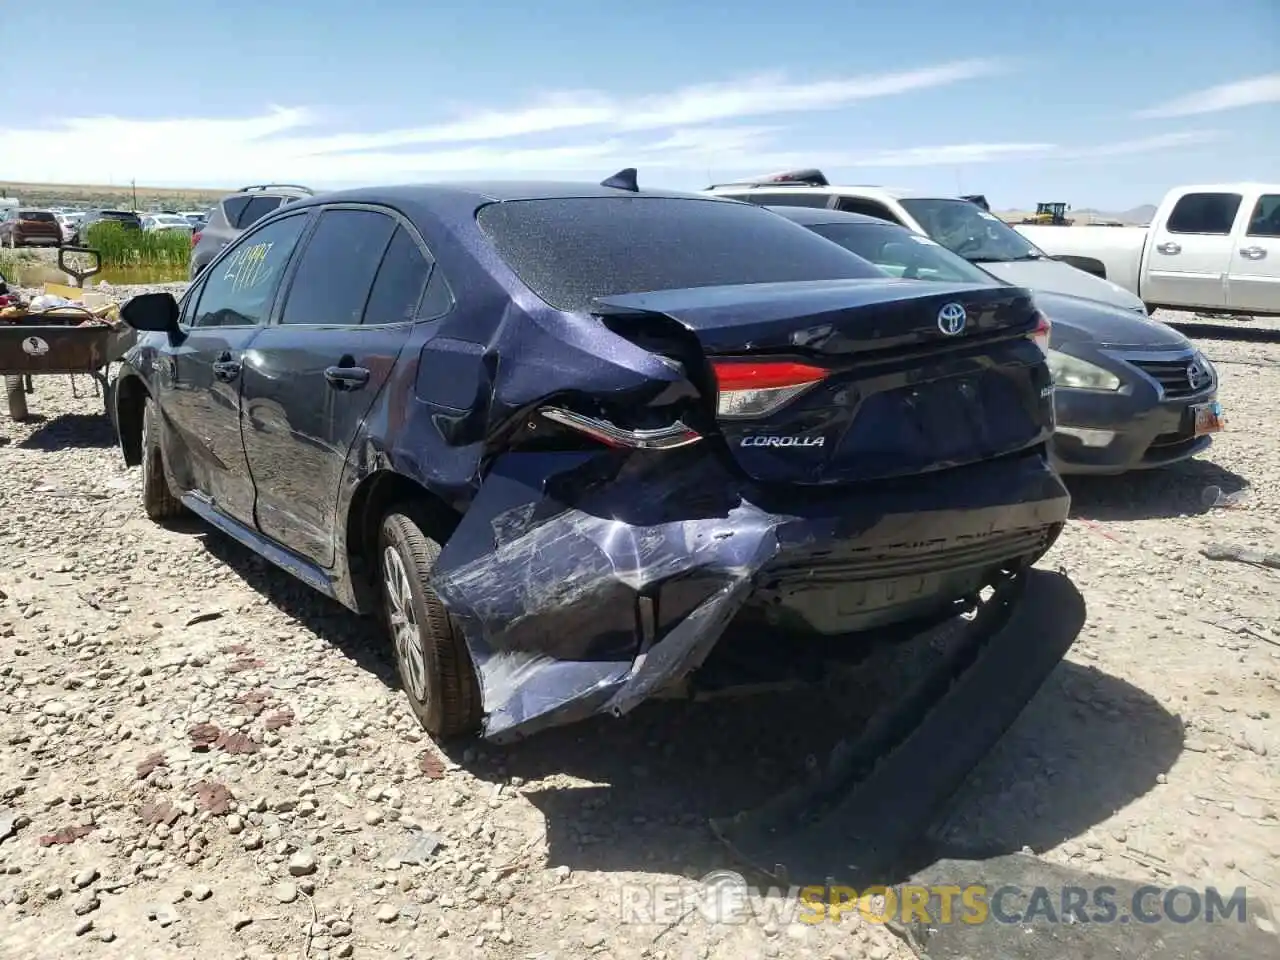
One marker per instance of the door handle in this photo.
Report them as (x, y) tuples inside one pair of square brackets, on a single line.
[(1169, 248), (1253, 253), (225, 368), (346, 377)]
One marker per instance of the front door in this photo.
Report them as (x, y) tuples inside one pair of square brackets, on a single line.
[(1253, 281), (1187, 255), (199, 374), (314, 373)]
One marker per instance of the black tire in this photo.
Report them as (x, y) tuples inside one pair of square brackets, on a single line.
[(157, 496), (441, 686)]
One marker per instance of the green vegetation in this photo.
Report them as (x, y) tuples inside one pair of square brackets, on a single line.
[(12, 262), (137, 248)]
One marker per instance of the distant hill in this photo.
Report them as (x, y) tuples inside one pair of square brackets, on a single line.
[(1142, 214), (115, 197)]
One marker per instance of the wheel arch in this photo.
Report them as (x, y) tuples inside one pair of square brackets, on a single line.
[(131, 395), (369, 503)]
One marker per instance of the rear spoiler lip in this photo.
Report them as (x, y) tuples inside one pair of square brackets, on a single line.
[(826, 294)]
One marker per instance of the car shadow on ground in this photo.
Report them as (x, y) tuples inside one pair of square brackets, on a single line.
[(78, 430), (360, 638), (1177, 490), (1086, 745), (636, 793)]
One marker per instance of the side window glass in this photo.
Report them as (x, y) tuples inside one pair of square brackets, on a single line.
[(866, 207), (241, 286), (232, 207), (401, 279), (1265, 221), (189, 304), (438, 300), (338, 265), (1206, 213), (255, 210)]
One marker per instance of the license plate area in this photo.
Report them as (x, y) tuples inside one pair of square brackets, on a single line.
[(1206, 418)]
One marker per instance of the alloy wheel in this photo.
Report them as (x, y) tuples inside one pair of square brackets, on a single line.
[(403, 624)]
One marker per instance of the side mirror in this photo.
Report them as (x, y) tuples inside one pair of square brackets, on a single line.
[(156, 312)]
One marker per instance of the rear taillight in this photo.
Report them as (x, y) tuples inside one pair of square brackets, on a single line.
[(1040, 335), (758, 388), (670, 437), (195, 238)]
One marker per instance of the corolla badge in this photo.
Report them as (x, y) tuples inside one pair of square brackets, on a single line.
[(759, 440), (1197, 376), (951, 319)]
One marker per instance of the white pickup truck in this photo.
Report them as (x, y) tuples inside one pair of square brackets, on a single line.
[(1209, 248)]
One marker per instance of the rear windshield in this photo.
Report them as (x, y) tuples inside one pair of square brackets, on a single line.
[(902, 253), (42, 215), (571, 251), (118, 215)]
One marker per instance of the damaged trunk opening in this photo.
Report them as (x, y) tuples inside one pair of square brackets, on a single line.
[(585, 583)]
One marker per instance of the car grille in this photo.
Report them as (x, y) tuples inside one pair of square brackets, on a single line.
[(1172, 375)]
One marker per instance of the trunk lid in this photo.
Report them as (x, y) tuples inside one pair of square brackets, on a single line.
[(904, 377)]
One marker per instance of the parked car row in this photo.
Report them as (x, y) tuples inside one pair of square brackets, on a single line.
[(561, 438), (31, 227)]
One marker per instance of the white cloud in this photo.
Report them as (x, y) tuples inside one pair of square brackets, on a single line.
[(1227, 96), (684, 135), (954, 154), (1163, 141), (288, 142)]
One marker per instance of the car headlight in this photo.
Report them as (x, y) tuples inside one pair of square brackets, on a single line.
[(1076, 374)]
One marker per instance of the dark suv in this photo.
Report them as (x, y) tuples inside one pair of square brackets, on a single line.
[(234, 214), (126, 218), (567, 438)]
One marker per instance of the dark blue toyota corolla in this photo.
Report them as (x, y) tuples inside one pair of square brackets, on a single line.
[(565, 439)]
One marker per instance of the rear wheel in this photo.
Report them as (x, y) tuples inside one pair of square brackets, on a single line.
[(157, 497), (434, 665)]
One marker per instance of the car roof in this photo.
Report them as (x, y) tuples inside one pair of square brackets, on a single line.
[(870, 191), (812, 216), (460, 200), (494, 191)]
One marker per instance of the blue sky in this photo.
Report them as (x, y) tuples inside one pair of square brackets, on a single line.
[(1099, 104)]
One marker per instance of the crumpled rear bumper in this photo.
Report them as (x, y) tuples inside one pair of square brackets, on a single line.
[(583, 583)]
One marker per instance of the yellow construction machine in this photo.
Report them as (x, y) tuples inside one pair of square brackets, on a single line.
[(1050, 214)]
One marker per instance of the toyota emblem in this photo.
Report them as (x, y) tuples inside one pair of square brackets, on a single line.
[(1197, 376), (951, 319)]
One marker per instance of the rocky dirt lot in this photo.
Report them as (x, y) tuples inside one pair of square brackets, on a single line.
[(199, 756)]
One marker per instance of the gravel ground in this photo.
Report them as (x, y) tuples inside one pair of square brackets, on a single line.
[(198, 754)]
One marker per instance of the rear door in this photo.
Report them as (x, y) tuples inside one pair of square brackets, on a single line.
[(1190, 251), (314, 373), (1253, 280)]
